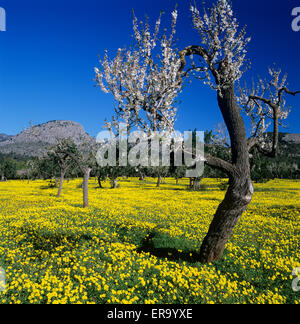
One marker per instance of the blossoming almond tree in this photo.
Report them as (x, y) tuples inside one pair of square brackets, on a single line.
[(145, 81), (140, 85), (223, 57)]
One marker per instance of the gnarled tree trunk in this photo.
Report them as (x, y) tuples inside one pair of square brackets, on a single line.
[(236, 201), (240, 190)]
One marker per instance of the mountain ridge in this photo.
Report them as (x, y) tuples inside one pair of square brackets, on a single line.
[(35, 141)]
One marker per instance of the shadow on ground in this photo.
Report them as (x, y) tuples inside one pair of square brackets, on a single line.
[(170, 254)]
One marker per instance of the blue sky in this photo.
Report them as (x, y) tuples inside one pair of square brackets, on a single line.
[(50, 48)]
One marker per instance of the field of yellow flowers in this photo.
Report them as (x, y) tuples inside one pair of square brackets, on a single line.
[(138, 244)]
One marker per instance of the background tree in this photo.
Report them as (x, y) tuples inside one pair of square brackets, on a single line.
[(62, 160), (84, 161), (30, 168), (8, 169)]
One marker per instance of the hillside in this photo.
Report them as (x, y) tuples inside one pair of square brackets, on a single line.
[(4, 137), (35, 140)]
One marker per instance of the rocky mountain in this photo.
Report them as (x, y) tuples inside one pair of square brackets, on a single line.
[(289, 145), (36, 140), (291, 138), (4, 137)]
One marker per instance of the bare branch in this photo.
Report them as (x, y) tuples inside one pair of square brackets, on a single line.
[(220, 164)]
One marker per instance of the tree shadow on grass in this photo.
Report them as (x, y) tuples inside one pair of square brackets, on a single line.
[(171, 254)]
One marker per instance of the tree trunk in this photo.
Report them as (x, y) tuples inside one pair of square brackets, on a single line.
[(236, 201), (114, 183), (196, 184), (62, 176), (85, 187), (191, 182), (240, 190), (158, 181), (99, 182)]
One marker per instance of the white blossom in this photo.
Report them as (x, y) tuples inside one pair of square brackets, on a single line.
[(145, 80), (224, 43)]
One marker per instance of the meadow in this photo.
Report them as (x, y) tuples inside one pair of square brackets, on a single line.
[(139, 245)]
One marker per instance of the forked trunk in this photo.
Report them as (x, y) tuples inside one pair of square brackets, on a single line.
[(240, 190), (85, 187)]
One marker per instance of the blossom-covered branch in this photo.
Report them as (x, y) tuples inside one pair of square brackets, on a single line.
[(223, 49), (144, 80)]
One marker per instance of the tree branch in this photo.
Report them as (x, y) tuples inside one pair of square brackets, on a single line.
[(285, 89), (220, 164)]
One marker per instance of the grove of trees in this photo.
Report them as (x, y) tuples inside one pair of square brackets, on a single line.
[(145, 82)]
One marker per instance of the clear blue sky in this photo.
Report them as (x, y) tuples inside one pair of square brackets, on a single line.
[(50, 48)]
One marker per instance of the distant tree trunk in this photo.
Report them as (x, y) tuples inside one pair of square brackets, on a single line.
[(191, 183), (158, 181), (62, 176), (196, 184), (114, 183), (85, 187), (177, 181), (99, 183)]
